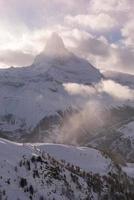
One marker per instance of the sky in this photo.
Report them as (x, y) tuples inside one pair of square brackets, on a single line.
[(101, 31)]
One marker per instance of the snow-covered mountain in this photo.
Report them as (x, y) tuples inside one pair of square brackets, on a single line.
[(29, 94), (63, 98), (60, 172), (61, 65)]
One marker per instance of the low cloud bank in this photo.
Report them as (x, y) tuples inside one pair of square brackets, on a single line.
[(110, 87)]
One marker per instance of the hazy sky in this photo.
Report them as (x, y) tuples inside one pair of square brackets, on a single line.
[(99, 30)]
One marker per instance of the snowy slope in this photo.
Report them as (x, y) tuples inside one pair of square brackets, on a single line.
[(127, 137), (59, 172), (12, 153), (128, 130), (87, 159)]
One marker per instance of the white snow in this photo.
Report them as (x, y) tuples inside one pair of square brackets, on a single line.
[(88, 159), (128, 130), (129, 169), (11, 154)]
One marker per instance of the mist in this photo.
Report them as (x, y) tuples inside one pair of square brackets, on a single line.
[(80, 124), (93, 101), (116, 90)]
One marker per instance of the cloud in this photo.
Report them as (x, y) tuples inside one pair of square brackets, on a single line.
[(100, 22), (38, 13), (116, 90), (107, 6), (110, 87), (20, 12), (127, 33), (15, 58), (119, 59), (106, 56), (102, 29), (79, 89), (94, 46)]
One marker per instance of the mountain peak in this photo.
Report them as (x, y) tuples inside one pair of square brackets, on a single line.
[(55, 46)]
